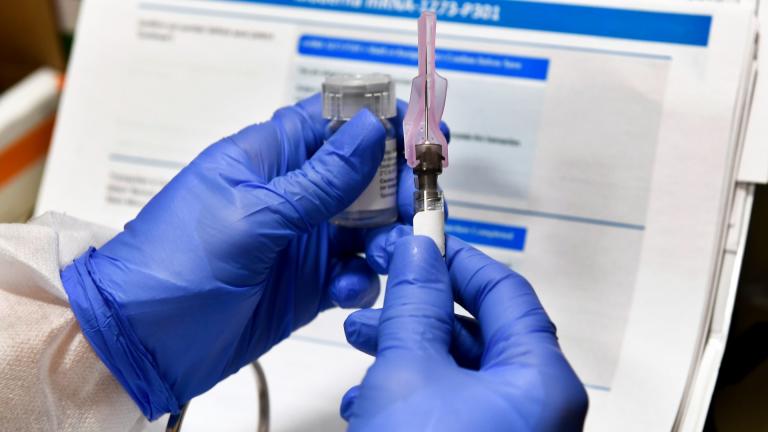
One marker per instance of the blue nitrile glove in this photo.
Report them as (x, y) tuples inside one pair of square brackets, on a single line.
[(515, 378), (231, 256)]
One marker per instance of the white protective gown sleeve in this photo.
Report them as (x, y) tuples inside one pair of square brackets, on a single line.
[(50, 378)]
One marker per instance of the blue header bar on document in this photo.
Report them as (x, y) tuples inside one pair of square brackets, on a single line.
[(600, 21), (483, 233), (406, 55)]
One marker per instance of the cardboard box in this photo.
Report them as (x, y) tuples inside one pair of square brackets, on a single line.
[(29, 41)]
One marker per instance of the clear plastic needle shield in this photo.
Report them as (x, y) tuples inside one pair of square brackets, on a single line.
[(426, 148)]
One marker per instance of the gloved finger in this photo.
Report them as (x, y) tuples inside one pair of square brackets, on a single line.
[(467, 345), (285, 142), (312, 109), (446, 131), (333, 178), (502, 300), (418, 305), (345, 241), (303, 124), (361, 329), (348, 402), (354, 284), (474, 276), (405, 188), (380, 243)]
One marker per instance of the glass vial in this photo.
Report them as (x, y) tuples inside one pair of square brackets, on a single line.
[(343, 96)]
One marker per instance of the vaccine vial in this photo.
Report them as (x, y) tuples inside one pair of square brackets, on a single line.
[(343, 96)]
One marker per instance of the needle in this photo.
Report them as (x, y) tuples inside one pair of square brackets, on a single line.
[(426, 96)]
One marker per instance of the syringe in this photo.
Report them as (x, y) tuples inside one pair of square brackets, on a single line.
[(426, 148)]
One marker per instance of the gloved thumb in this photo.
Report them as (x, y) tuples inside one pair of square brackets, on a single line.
[(418, 304), (336, 174)]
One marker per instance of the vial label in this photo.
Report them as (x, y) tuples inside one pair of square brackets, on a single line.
[(381, 193)]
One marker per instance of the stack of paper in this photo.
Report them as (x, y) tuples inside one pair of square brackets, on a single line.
[(595, 149), (26, 123)]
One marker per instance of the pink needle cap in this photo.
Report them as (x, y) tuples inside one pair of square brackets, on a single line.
[(421, 124)]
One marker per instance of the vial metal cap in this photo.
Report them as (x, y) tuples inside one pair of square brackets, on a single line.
[(346, 94)]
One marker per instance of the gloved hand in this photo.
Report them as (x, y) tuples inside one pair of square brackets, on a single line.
[(434, 372), (231, 256)]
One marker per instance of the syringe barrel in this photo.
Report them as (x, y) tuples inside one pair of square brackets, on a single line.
[(424, 200), (430, 220), (429, 216)]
